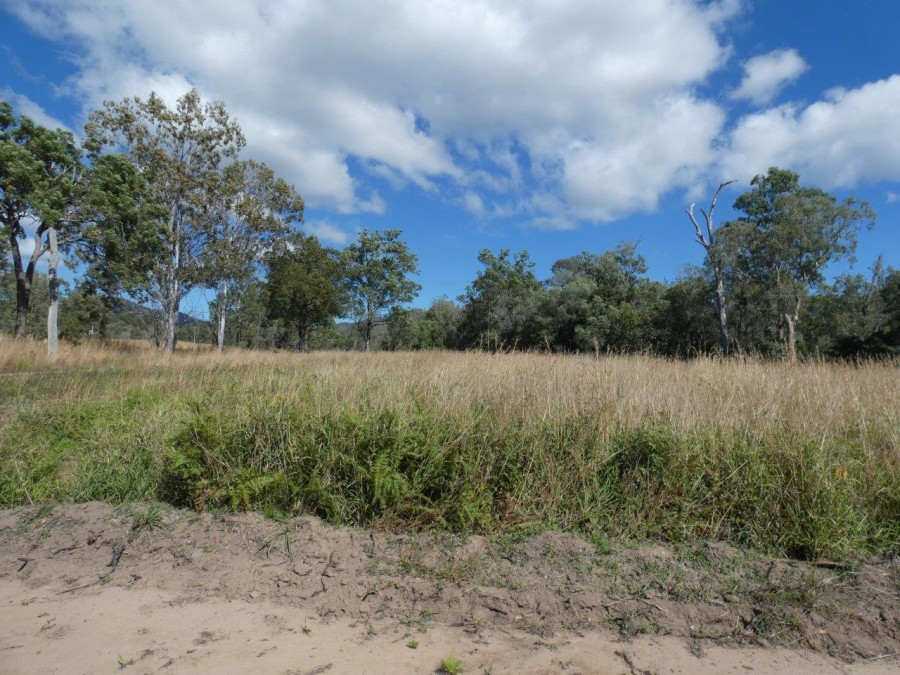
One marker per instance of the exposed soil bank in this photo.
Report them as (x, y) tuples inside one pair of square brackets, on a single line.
[(91, 588)]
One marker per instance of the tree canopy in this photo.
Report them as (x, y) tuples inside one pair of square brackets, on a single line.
[(377, 268), (158, 201)]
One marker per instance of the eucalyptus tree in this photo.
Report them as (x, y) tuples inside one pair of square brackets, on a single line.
[(98, 210), (501, 306), (785, 238), (304, 285), (714, 259), (603, 301), (179, 152), (251, 210), (40, 175), (376, 267), (122, 234)]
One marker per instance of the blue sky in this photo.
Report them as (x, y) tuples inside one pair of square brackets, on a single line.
[(550, 126)]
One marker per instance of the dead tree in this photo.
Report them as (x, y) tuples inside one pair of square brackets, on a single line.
[(707, 241)]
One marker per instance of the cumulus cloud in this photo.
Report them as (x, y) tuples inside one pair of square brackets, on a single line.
[(766, 75), (893, 197), (326, 231), (852, 135), (488, 96), (668, 146)]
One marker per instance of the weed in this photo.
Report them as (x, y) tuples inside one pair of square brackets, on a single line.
[(413, 644), (147, 520), (451, 665)]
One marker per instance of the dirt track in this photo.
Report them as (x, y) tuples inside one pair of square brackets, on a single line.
[(91, 589)]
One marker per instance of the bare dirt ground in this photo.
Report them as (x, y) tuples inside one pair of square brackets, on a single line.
[(90, 588)]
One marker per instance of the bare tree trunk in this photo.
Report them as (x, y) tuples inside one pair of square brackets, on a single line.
[(23, 287), (53, 309), (791, 342), (723, 318), (172, 290), (370, 322), (220, 307), (303, 337), (707, 241), (791, 321), (24, 278), (171, 322)]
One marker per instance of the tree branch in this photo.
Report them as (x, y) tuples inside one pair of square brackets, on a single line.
[(697, 229)]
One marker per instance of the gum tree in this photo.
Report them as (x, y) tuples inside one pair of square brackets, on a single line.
[(376, 267), (251, 210), (40, 175), (304, 285), (179, 152), (788, 234), (714, 259)]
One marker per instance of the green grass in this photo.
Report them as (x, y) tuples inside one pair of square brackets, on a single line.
[(451, 665), (800, 462)]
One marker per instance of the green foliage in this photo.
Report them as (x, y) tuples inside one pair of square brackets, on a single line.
[(484, 466), (501, 305), (41, 177), (83, 314), (304, 285), (603, 302), (413, 330), (856, 316), (687, 318), (253, 208), (123, 236), (776, 252), (376, 268), (38, 302), (451, 665), (179, 153)]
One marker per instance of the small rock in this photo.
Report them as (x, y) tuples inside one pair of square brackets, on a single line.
[(253, 595)]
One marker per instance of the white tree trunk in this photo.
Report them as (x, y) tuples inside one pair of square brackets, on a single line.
[(220, 306), (53, 309), (172, 289), (723, 317)]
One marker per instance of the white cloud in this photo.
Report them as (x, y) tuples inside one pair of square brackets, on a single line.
[(450, 90), (473, 204), (766, 75), (667, 147), (851, 136), (893, 197), (326, 231), (22, 105)]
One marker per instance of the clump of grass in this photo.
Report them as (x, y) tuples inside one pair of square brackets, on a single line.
[(146, 520), (451, 665), (799, 461)]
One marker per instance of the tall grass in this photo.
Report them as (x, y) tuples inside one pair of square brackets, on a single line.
[(796, 460)]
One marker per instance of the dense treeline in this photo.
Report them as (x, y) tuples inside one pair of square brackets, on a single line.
[(157, 202)]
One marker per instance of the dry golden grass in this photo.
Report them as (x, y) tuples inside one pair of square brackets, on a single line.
[(817, 398), (573, 441)]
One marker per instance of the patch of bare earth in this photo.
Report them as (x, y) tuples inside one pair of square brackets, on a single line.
[(93, 588)]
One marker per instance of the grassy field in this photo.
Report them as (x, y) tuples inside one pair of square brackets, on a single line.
[(799, 461)]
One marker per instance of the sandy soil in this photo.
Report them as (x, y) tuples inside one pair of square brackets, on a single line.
[(92, 589)]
